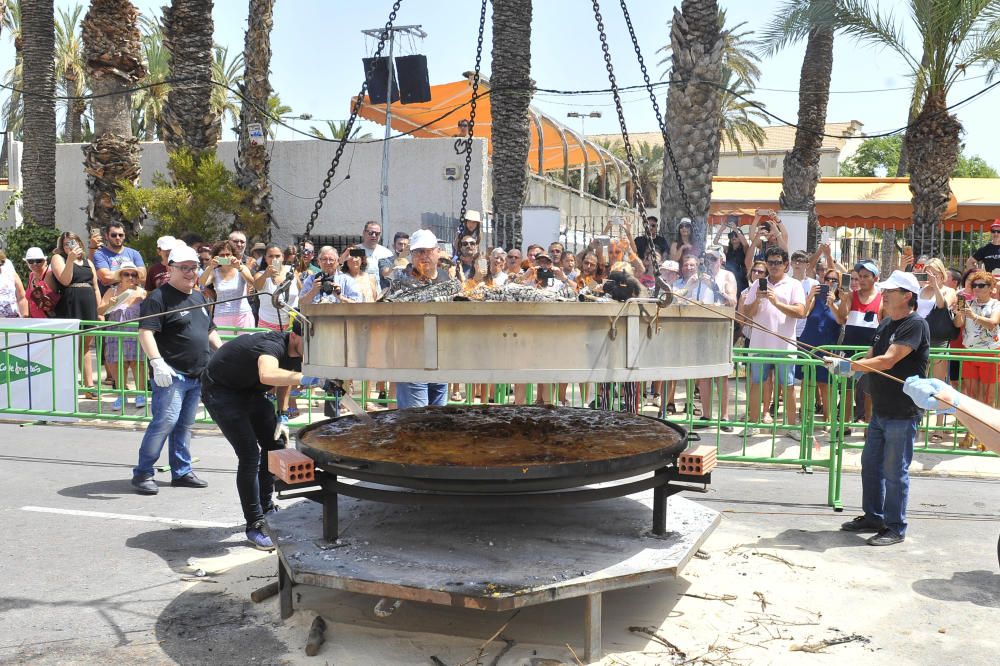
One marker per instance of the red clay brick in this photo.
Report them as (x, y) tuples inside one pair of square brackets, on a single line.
[(291, 466)]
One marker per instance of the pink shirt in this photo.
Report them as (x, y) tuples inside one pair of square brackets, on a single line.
[(768, 317)]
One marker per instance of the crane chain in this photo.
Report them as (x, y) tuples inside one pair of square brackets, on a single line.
[(466, 146), (332, 171)]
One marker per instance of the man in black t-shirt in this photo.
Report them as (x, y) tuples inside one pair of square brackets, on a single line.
[(989, 254), (659, 242), (178, 345), (900, 349), (234, 387)]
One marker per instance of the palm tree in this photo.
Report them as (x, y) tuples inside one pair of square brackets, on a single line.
[(512, 88), (151, 101), (740, 114), (228, 75), (113, 54), (70, 71), (275, 109), (252, 160), (10, 18), (693, 117), (953, 37), (800, 169), (337, 129), (188, 118), (38, 163)]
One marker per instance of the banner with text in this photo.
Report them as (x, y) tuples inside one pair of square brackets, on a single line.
[(40, 376)]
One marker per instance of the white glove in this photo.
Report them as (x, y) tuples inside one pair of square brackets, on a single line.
[(838, 366), (281, 430), (923, 392), (163, 374)]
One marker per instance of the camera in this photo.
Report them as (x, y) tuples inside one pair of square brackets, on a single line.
[(327, 285), (544, 274)]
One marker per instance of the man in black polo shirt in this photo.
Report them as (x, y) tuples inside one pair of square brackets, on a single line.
[(234, 384), (178, 347), (989, 254), (900, 349)]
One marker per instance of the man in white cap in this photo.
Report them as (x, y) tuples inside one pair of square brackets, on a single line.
[(158, 273), (423, 269), (900, 349), (178, 346)]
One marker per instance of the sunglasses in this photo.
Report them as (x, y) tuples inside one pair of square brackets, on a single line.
[(776, 263), (116, 235), (35, 261), (979, 285), (373, 233), (758, 271), (304, 252), (128, 275), (469, 243)]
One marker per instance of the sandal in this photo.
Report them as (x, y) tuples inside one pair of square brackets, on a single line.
[(937, 438), (671, 408)]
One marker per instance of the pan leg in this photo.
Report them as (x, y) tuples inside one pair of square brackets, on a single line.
[(330, 516), (284, 591), (660, 505), (592, 622)]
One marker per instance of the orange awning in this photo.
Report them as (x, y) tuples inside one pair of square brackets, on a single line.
[(562, 147), (862, 202)]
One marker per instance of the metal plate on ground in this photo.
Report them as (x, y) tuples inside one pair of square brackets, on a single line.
[(517, 342), (490, 559)]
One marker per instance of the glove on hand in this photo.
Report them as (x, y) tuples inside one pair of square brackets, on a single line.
[(922, 392), (281, 429), (163, 374), (839, 366), (310, 381)]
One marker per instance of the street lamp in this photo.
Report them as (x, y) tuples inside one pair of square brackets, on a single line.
[(583, 119)]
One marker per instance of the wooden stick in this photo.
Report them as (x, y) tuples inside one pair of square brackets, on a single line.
[(316, 637), (265, 592)]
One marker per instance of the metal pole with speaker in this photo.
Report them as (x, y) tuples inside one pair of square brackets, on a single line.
[(382, 89)]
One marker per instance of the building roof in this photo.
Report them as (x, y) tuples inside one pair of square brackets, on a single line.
[(777, 138)]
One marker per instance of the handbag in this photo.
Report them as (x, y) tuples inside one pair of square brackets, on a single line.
[(941, 323)]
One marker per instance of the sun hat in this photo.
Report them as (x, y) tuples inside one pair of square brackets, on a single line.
[(34, 253), (717, 251), (995, 226), (900, 280), (423, 239), (473, 216), (670, 265)]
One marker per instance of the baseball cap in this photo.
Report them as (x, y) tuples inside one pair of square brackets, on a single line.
[(717, 251), (34, 253), (900, 280), (182, 252), (543, 255), (684, 220), (995, 226), (473, 215), (670, 265), (868, 265), (423, 239), (165, 243)]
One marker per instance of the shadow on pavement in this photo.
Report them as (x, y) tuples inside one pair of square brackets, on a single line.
[(981, 588), (816, 541), (177, 545), (100, 490)]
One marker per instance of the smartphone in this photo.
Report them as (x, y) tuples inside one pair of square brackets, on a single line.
[(762, 284), (617, 221), (276, 264), (824, 291), (960, 302), (223, 261), (921, 277), (71, 244), (845, 281), (481, 266), (356, 252), (826, 238), (604, 241)]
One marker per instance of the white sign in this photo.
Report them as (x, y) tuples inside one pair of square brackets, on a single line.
[(797, 223), (29, 373), (255, 132)]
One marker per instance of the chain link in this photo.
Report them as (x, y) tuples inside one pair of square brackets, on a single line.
[(659, 116), (467, 148), (332, 171)]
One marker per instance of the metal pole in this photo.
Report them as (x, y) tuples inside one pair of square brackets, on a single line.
[(385, 143)]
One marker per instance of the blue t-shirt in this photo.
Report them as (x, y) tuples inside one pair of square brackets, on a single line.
[(105, 258)]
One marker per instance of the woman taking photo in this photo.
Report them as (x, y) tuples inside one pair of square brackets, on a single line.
[(979, 320), (683, 243), (74, 274), (42, 298), (275, 272), (229, 278), (121, 302), (935, 304)]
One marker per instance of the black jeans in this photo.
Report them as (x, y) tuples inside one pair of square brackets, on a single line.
[(247, 420)]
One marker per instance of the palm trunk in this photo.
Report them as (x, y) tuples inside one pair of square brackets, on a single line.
[(693, 116), (511, 96), (76, 126), (252, 161), (38, 163), (932, 146), (800, 172), (188, 120)]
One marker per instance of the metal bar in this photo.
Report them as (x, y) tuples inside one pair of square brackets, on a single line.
[(660, 504), (331, 516), (592, 625)]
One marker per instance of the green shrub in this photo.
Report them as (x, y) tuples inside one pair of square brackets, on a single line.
[(17, 241)]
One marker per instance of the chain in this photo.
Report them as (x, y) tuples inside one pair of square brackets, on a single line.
[(332, 171), (659, 117), (467, 148), (629, 156)]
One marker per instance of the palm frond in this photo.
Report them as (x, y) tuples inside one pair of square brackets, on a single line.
[(792, 22), (862, 20)]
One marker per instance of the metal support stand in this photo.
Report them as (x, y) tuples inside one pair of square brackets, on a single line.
[(330, 515), (284, 591), (592, 623), (660, 496)]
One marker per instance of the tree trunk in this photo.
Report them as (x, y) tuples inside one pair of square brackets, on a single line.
[(800, 171), (76, 126), (188, 120), (932, 146), (114, 64), (512, 89), (693, 116), (252, 161), (38, 163)]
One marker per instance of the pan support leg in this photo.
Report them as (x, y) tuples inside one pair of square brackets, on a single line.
[(330, 516), (660, 495), (284, 590), (592, 623)]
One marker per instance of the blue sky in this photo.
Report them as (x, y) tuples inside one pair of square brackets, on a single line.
[(317, 46)]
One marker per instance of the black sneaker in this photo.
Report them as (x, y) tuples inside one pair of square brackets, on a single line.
[(145, 485), (885, 537), (726, 428), (863, 524), (189, 480)]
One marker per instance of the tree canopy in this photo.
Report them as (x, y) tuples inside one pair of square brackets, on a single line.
[(879, 157)]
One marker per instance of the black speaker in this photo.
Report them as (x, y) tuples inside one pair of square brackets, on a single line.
[(377, 76), (414, 82)]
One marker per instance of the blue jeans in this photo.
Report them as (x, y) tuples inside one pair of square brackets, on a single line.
[(885, 463), (419, 394), (174, 408)]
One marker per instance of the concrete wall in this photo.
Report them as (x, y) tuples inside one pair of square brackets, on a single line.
[(419, 192), (770, 164)]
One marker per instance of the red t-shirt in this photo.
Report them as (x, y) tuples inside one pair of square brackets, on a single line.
[(156, 276)]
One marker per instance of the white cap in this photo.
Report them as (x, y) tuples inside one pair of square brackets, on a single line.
[(34, 253), (717, 251), (670, 265), (182, 252), (473, 215), (685, 220), (900, 280), (165, 243), (423, 239)]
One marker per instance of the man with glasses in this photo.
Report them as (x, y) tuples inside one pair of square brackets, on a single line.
[(373, 250), (468, 252), (239, 241), (178, 346), (775, 308), (513, 261), (109, 258), (307, 260), (989, 254), (900, 349)]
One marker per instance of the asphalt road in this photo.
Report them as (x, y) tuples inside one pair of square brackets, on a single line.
[(92, 573)]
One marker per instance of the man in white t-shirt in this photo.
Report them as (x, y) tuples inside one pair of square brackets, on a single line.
[(375, 252)]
